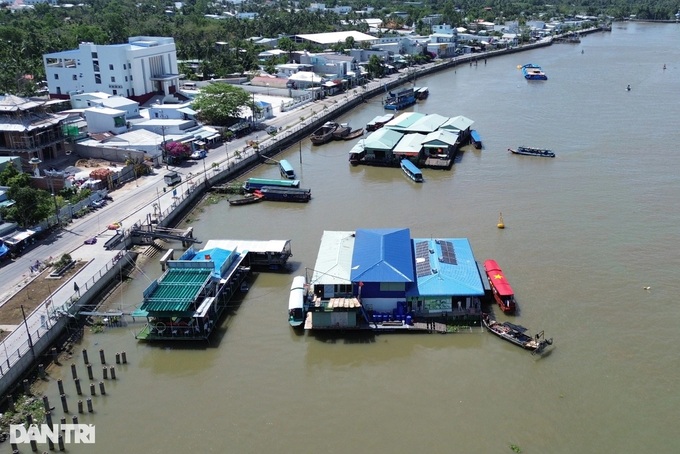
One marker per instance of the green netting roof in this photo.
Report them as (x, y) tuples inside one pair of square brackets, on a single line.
[(178, 289)]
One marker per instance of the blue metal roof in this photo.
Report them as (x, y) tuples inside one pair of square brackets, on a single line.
[(459, 276), (382, 255)]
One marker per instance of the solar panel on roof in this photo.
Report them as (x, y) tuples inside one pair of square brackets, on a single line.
[(422, 259), (448, 253)]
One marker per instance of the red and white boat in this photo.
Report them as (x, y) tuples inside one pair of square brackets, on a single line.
[(502, 291)]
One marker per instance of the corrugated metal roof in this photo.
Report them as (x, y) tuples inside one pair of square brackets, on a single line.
[(334, 260), (439, 138), (248, 245), (428, 123), (404, 120), (410, 144), (459, 278), (459, 123), (215, 255), (382, 255), (382, 139)]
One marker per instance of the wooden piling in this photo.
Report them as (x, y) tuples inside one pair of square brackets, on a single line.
[(87, 361), (124, 356), (80, 406), (74, 372), (117, 358), (89, 405), (27, 387), (113, 372), (64, 404), (78, 388), (74, 419), (60, 386), (34, 445), (41, 371), (102, 357), (48, 419), (46, 403), (55, 355), (61, 442), (102, 389), (93, 390), (50, 444), (62, 421), (105, 373), (89, 372)]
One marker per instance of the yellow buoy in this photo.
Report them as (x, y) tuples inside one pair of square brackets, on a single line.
[(501, 224)]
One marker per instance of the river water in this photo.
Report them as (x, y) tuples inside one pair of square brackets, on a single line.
[(585, 233)]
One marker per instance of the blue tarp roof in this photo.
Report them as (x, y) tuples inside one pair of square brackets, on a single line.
[(382, 255), (217, 256), (459, 278), (4, 250)]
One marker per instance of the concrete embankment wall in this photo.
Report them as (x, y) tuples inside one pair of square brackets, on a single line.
[(43, 339)]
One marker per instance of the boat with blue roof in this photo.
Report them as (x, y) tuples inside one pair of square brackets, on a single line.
[(532, 71), (411, 170)]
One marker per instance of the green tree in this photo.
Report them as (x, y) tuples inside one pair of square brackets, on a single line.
[(220, 103), (30, 206)]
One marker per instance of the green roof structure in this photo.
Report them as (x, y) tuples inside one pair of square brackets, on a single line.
[(177, 290)]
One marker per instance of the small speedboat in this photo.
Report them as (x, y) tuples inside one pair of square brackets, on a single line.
[(516, 335)]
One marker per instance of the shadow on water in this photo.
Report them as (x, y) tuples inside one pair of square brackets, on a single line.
[(346, 337)]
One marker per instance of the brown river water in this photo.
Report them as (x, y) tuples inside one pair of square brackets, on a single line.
[(585, 233)]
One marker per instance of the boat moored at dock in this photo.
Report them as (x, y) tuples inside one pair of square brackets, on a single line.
[(278, 194), (286, 169), (476, 139), (411, 170), (500, 287), (378, 122), (246, 199), (341, 131), (252, 184), (516, 334), (324, 134), (401, 99), (421, 92), (296, 301)]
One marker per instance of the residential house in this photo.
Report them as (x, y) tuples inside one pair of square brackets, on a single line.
[(28, 130), (103, 119), (138, 70)]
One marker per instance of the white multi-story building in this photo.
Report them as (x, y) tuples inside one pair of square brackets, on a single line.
[(145, 66)]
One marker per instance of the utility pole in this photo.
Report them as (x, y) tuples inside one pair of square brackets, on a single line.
[(30, 341)]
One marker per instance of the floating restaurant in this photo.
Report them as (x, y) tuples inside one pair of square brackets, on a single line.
[(186, 302), (426, 140), (382, 279)]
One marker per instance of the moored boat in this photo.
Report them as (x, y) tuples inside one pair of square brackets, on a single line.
[(421, 92), (500, 287), (533, 72), (354, 134), (341, 131), (296, 302), (247, 199), (529, 151), (476, 139), (378, 122), (516, 334), (324, 134), (411, 170), (400, 99), (279, 194)]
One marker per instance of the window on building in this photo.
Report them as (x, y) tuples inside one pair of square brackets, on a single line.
[(111, 67), (124, 66), (392, 286), (94, 55), (115, 92), (97, 78), (113, 78), (56, 77), (58, 90), (130, 77), (126, 78), (75, 77), (95, 66)]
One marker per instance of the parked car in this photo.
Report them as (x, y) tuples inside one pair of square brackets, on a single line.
[(199, 154), (92, 240)]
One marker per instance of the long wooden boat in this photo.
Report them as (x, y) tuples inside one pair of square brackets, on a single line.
[(247, 199), (516, 334), (500, 287), (324, 134), (530, 151), (354, 134), (296, 302), (421, 92)]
